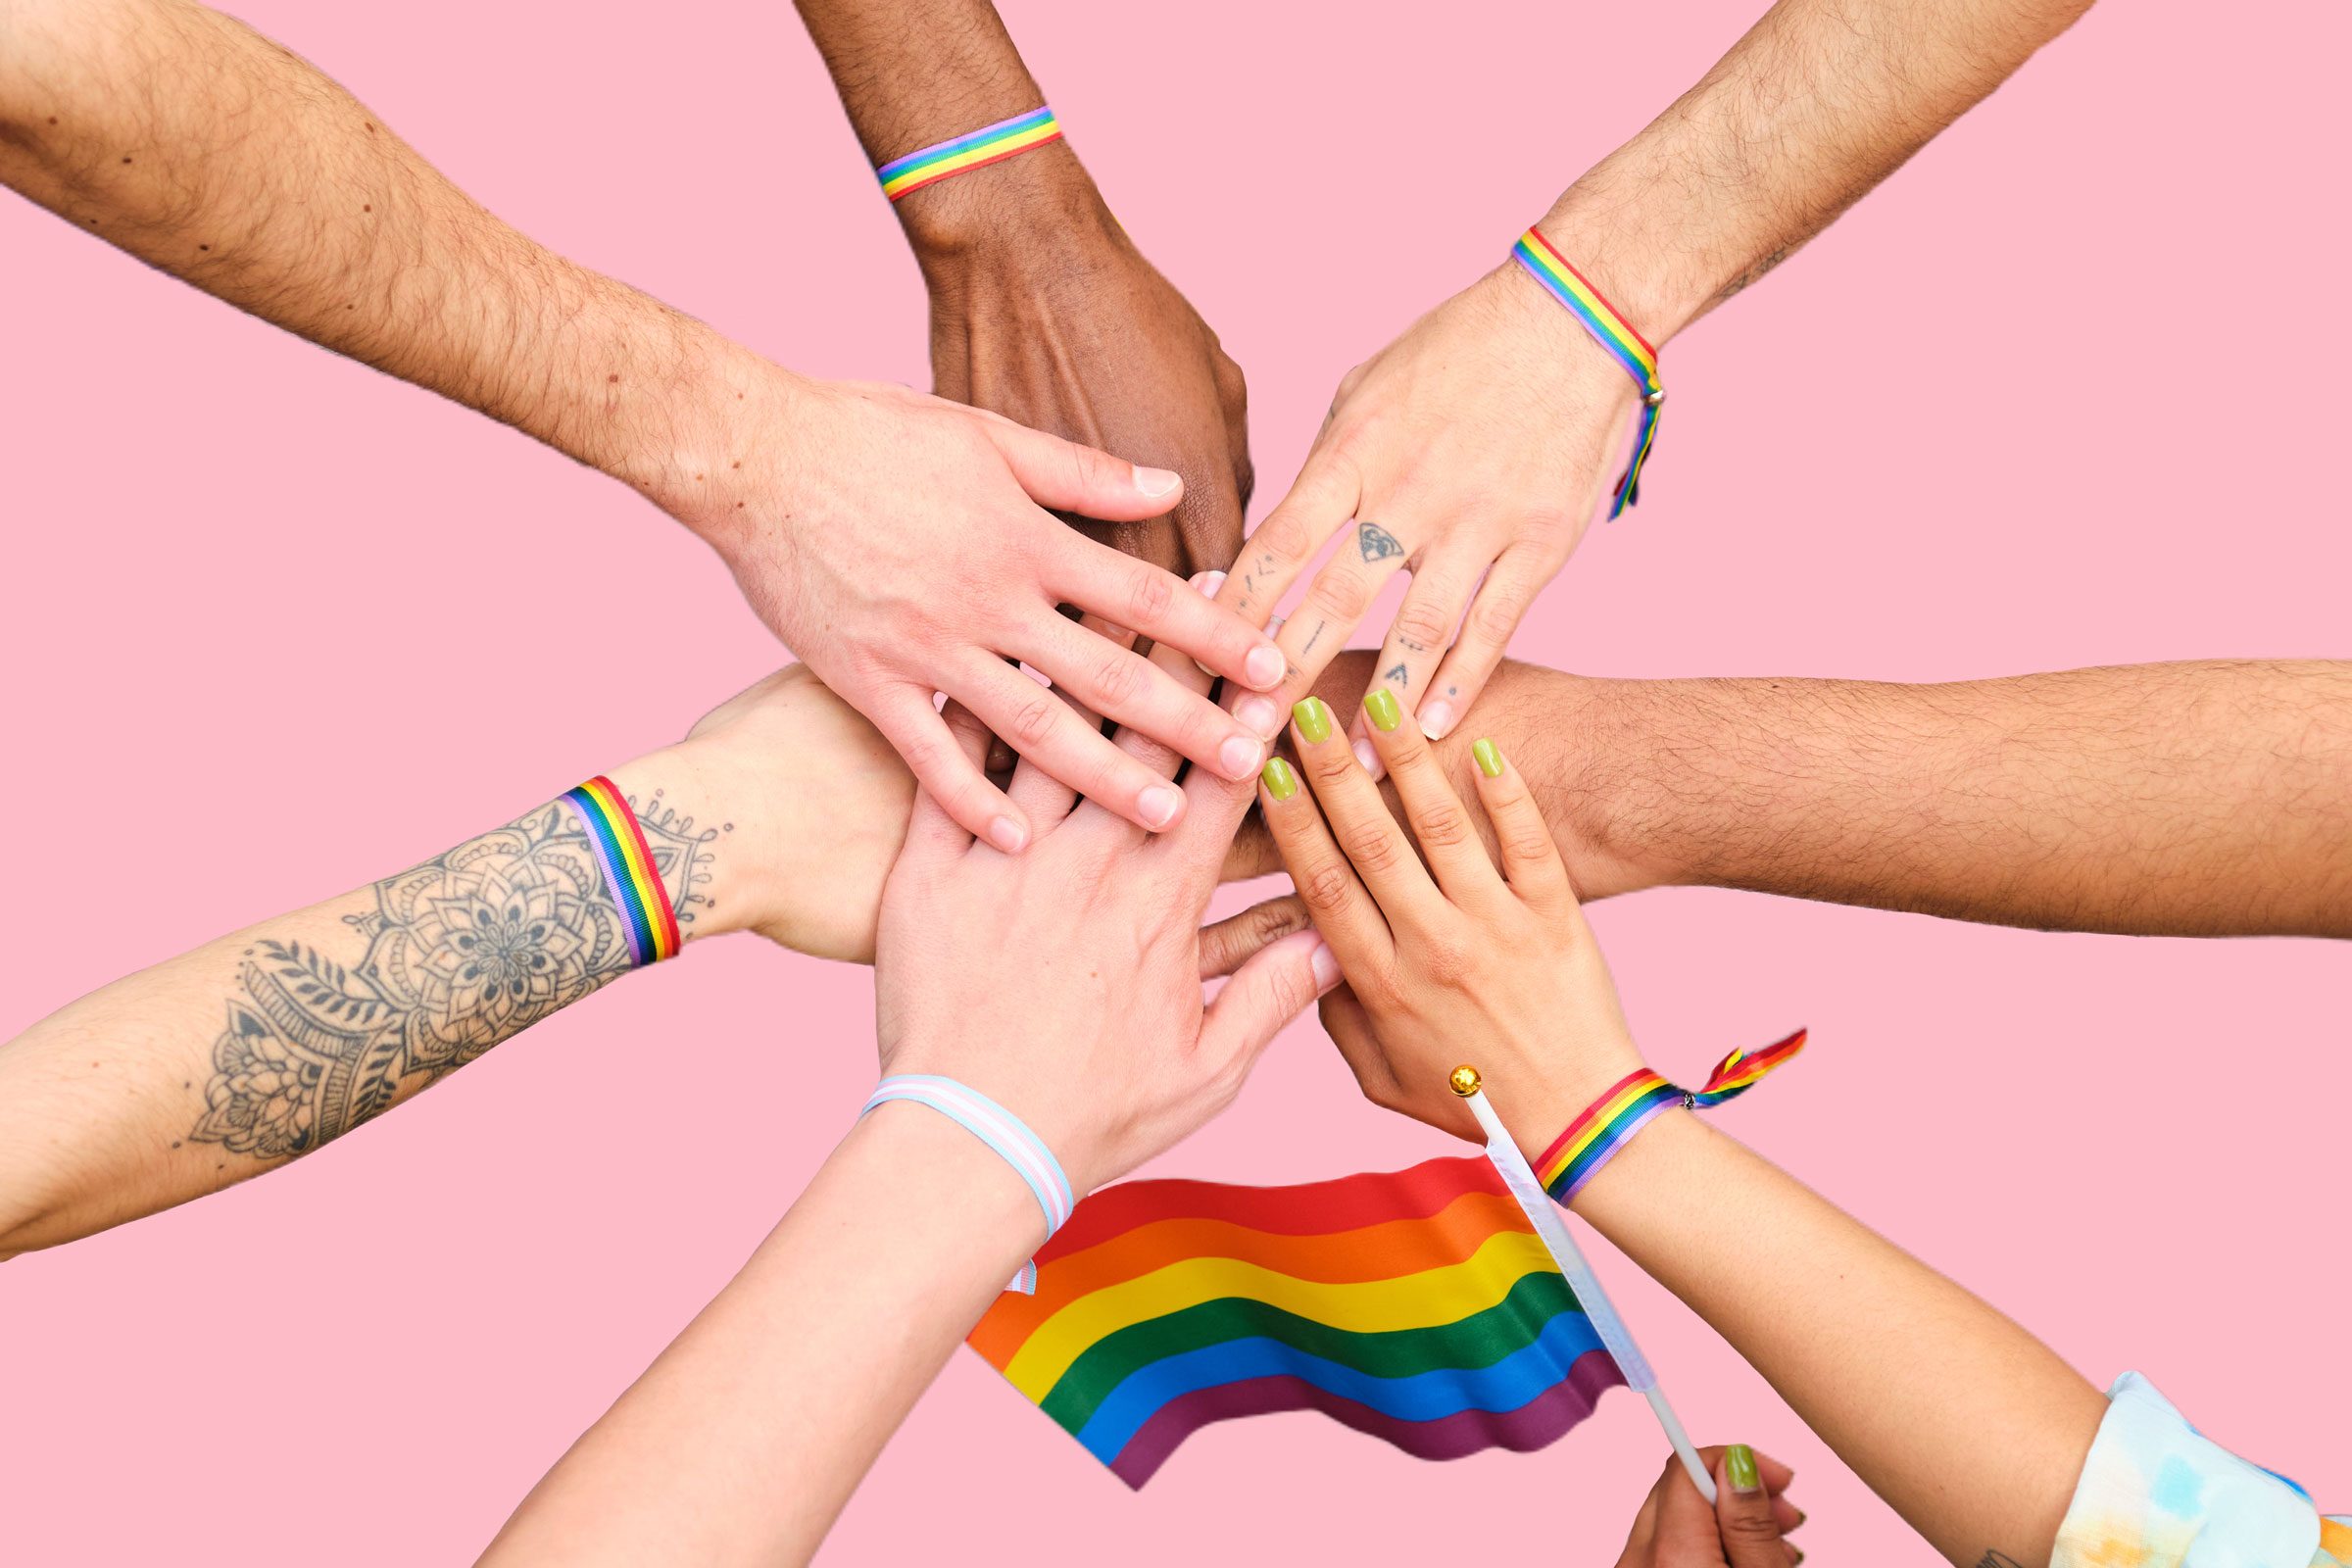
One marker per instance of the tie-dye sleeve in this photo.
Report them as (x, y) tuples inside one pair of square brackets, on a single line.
[(2154, 1494)]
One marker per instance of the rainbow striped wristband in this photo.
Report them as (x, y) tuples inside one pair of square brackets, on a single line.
[(1615, 334), (627, 862), (1609, 1123), (990, 144), (1001, 1130)]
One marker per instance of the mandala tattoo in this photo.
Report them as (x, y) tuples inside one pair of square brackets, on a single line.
[(460, 953), (1376, 542)]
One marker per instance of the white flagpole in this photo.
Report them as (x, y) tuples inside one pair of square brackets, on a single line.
[(1544, 1216)]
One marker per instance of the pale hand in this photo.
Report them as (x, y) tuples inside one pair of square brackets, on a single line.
[(1471, 452), (900, 544)]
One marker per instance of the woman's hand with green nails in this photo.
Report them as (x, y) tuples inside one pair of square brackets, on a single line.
[(1447, 958), (1743, 1528)]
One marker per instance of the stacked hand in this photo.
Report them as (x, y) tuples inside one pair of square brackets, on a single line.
[(1470, 452), (902, 546), (1455, 960), (1085, 339), (1065, 981)]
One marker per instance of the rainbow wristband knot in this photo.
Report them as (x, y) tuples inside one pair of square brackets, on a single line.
[(627, 862), (1001, 1130), (1615, 334), (990, 144), (1609, 1123)]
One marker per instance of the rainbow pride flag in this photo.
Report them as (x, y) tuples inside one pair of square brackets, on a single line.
[(1417, 1305)]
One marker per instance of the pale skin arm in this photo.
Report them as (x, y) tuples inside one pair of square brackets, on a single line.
[(1478, 444), (779, 805), (1030, 978), (901, 544), (741, 1444), (1968, 1426)]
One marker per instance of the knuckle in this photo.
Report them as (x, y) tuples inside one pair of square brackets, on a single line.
[(1497, 613), (1527, 842), (1370, 844), (1422, 619), (1150, 593), (1271, 922), (1339, 595), (1551, 528), (1115, 683), (1034, 720), (1442, 826), (1327, 765), (1325, 887), (1283, 535)]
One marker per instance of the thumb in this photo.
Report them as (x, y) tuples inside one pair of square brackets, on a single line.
[(1263, 995), (1064, 476), (1743, 1513)]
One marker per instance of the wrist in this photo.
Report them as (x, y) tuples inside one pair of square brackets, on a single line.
[(930, 1153), (696, 435), (684, 791), (1654, 268), (1001, 211)]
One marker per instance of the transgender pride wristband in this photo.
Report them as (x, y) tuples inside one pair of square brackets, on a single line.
[(1001, 1130), (1609, 1123), (990, 144), (635, 886), (1616, 336)]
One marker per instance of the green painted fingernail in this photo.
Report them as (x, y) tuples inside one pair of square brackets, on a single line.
[(1281, 782), (1381, 704), (1739, 1467), (1313, 720), (1489, 759)]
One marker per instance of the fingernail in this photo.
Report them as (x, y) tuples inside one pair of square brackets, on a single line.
[(1281, 782), (1274, 626), (1007, 835), (1489, 759), (1369, 761), (1437, 718), (1327, 966), (1381, 704), (1800, 1518), (1159, 805), (1260, 716), (1313, 720), (1739, 1468), (1156, 482), (1209, 582), (1239, 756), (1264, 667)]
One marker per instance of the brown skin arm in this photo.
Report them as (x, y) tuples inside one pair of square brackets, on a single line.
[(2195, 799)]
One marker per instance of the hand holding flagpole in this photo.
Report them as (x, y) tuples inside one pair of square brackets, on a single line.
[(1536, 1204)]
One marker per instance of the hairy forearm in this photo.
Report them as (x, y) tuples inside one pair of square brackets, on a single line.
[(741, 1444), (1968, 1426), (2193, 799), (2210, 799), (214, 155), (1820, 101), (256, 1048)]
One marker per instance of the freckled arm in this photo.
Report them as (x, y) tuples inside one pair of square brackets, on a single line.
[(219, 156)]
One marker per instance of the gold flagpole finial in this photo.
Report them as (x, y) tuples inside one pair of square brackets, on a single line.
[(1463, 1081)]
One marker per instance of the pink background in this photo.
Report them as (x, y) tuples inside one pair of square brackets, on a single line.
[(2062, 393)]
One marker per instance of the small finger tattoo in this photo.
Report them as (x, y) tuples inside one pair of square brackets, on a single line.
[(1395, 673), (1376, 542)]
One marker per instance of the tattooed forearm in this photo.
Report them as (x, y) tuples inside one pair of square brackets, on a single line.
[(456, 954)]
